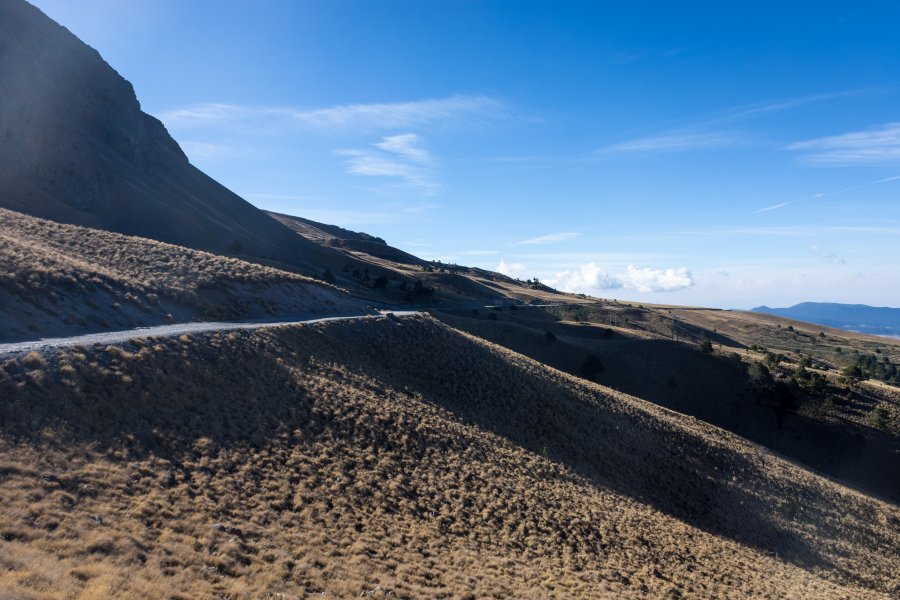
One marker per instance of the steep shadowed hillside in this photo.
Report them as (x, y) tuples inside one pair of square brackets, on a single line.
[(75, 147)]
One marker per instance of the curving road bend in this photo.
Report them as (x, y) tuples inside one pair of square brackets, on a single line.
[(114, 337)]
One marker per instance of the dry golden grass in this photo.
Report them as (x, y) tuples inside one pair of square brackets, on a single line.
[(63, 279), (828, 430), (397, 458), (789, 336)]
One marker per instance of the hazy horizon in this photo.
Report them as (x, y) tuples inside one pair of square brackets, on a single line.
[(685, 155)]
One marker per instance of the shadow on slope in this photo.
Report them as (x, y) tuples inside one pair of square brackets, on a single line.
[(77, 148), (713, 388), (243, 389)]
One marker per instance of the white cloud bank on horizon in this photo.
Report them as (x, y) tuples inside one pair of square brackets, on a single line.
[(590, 277), (456, 110), (511, 269)]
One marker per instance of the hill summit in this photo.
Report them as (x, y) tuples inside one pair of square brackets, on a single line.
[(77, 148)]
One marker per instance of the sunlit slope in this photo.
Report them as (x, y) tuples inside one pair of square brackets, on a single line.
[(833, 346), (63, 279), (401, 458)]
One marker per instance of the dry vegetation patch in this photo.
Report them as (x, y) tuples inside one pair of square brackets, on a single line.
[(846, 429), (62, 279), (397, 458)]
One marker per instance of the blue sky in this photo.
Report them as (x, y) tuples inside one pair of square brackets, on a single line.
[(723, 154)]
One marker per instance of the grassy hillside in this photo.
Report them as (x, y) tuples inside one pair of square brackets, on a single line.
[(62, 279), (338, 237), (834, 347), (397, 458), (400, 272), (823, 420), (77, 148)]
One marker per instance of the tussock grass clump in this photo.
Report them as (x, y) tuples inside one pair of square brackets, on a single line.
[(33, 360), (337, 459)]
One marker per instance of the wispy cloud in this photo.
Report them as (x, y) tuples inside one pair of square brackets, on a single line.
[(706, 132), (456, 110), (400, 157), (674, 142), (420, 208), (852, 188), (590, 277), (788, 203), (752, 111), (791, 231), (807, 231), (876, 146), (626, 57), (405, 145), (551, 238)]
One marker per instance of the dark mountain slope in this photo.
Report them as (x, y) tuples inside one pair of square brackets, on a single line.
[(75, 147), (338, 237)]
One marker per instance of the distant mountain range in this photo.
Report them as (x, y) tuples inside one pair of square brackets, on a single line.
[(874, 320)]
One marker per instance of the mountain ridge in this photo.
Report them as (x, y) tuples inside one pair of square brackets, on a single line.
[(861, 318), (78, 149)]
